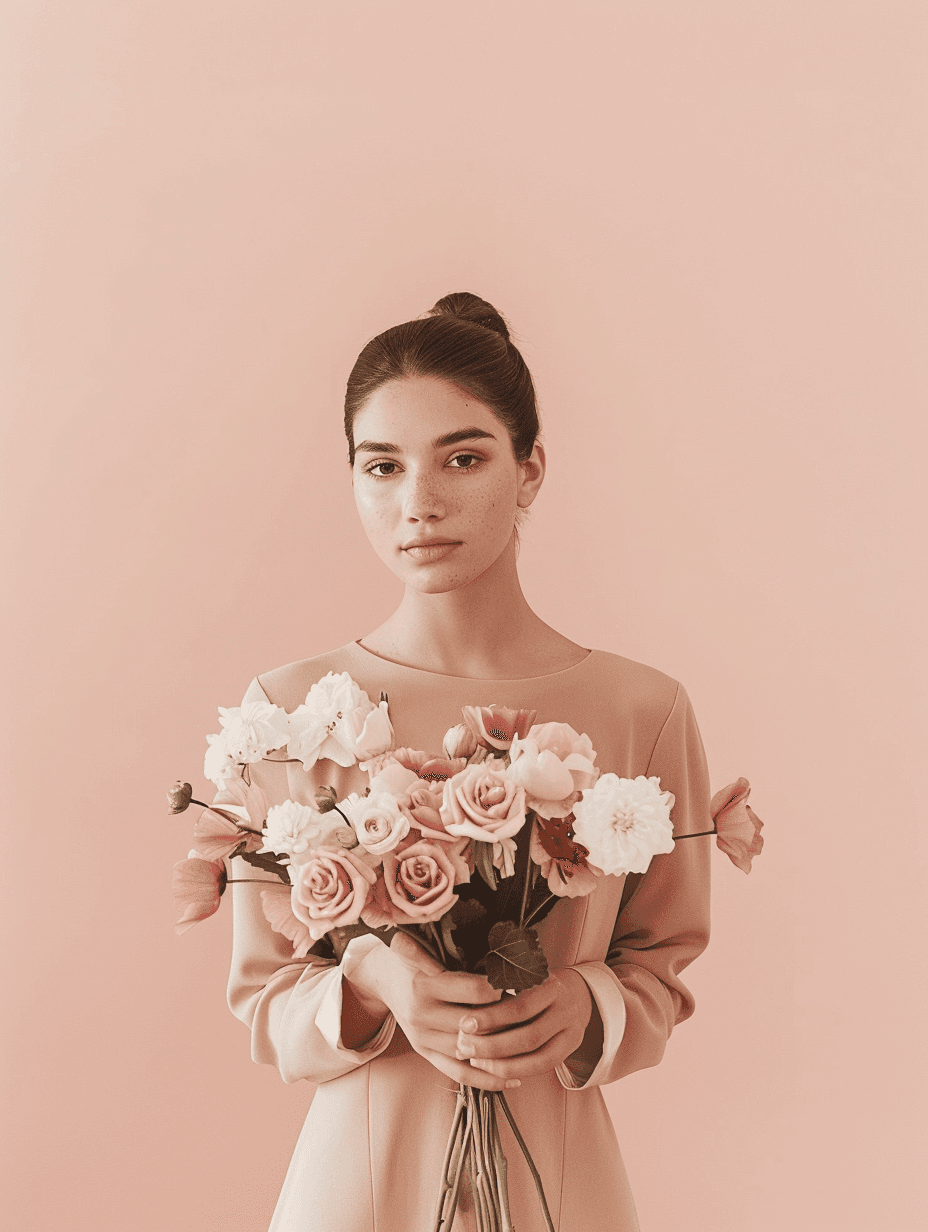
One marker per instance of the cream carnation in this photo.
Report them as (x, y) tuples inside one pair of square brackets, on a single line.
[(252, 730), (293, 827), (623, 823)]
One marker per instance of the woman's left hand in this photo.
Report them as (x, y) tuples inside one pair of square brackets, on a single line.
[(529, 1033)]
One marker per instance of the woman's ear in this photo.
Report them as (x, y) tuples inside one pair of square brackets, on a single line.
[(532, 472)]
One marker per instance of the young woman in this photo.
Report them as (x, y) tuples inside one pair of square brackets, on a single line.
[(443, 445)]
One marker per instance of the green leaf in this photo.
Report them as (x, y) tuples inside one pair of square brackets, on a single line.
[(447, 924), (268, 861), (483, 862), (467, 911), (515, 959)]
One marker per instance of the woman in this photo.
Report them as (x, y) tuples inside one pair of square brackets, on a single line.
[(442, 431)]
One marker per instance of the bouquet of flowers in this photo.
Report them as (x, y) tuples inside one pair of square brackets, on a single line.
[(466, 850)]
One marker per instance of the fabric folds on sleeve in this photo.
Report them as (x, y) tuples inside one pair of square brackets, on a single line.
[(662, 925)]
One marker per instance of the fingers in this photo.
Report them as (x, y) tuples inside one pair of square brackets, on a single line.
[(538, 1062), (519, 1040), (462, 989), (461, 1072), (512, 1011)]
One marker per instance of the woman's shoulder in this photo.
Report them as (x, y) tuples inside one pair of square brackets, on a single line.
[(638, 683), (288, 685)]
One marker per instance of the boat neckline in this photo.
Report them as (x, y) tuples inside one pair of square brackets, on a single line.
[(473, 680)]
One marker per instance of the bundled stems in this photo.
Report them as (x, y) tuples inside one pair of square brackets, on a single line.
[(475, 1143)]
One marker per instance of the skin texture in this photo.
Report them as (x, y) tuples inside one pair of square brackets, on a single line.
[(463, 614)]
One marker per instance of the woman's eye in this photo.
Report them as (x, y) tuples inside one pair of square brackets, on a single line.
[(467, 460), (374, 469)]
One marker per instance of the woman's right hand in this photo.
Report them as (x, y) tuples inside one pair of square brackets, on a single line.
[(428, 1004)]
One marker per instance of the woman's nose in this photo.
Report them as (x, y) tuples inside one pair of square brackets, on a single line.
[(423, 500)]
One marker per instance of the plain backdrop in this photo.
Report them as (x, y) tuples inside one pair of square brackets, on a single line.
[(706, 222)]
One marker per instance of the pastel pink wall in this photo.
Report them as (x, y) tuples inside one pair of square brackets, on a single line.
[(706, 222)]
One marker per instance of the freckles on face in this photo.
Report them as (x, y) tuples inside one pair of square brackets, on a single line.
[(435, 482)]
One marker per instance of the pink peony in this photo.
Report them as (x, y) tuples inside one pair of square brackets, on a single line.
[(552, 783), (197, 886), (495, 726), (417, 885), (562, 740), (330, 890), (737, 825), (482, 802)]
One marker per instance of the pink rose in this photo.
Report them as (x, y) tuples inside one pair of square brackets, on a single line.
[(417, 885), (378, 820), (330, 890), (495, 726), (737, 825), (483, 803), (197, 886), (423, 804)]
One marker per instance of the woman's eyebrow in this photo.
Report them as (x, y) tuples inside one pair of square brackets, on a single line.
[(450, 438)]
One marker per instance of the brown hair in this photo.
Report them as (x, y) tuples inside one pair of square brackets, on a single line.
[(464, 340)]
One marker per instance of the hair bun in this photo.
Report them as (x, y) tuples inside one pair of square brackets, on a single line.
[(471, 308)]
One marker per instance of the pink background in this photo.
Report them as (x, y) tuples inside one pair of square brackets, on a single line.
[(706, 223)]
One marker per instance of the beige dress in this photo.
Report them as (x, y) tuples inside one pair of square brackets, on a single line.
[(370, 1153)]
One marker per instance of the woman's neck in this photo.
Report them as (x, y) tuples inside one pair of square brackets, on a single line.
[(482, 631)]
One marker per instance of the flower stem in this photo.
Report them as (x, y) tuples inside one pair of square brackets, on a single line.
[(542, 904), (528, 1159), (527, 885), (677, 837)]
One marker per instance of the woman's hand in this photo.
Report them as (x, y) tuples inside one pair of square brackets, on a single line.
[(428, 1004), (529, 1033)]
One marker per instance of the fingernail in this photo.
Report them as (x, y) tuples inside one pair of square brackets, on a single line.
[(469, 1024), (512, 1082)]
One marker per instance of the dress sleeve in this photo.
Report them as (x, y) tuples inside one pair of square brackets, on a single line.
[(292, 1006), (662, 925)]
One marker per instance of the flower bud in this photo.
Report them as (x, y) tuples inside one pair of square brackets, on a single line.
[(459, 741), (325, 799), (179, 797)]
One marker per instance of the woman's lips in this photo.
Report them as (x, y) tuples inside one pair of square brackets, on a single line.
[(431, 552)]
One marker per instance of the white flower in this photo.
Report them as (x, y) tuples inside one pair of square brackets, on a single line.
[(623, 823), (252, 730), (292, 827), (300, 830), (335, 722), (379, 822), (218, 765), (374, 732)]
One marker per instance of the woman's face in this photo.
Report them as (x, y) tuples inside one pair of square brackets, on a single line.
[(436, 482)]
